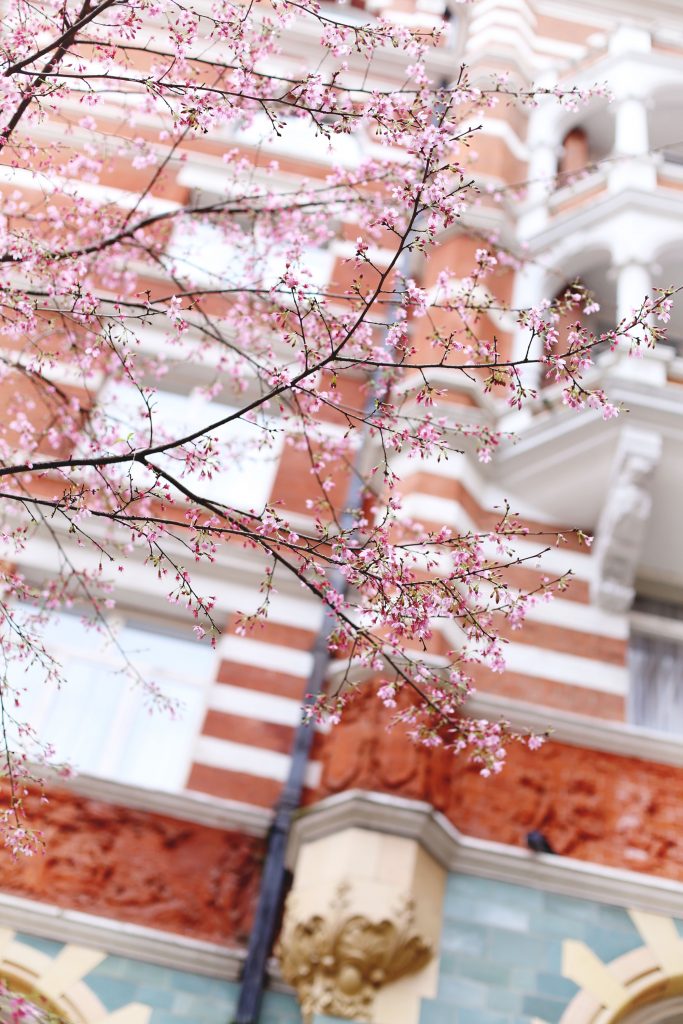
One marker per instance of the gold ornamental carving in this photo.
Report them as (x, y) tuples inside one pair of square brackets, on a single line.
[(337, 962)]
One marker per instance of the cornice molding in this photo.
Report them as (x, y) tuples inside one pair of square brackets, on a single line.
[(197, 808), (584, 731), (599, 11), (606, 205), (485, 859), (564, 431)]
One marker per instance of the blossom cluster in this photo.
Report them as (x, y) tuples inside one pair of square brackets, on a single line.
[(119, 282)]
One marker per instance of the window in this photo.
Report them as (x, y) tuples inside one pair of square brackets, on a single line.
[(300, 136), (101, 722), (575, 153), (248, 457), (667, 1011), (656, 665), (207, 257)]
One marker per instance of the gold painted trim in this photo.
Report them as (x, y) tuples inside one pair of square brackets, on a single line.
[(59, 982), (643, 977)]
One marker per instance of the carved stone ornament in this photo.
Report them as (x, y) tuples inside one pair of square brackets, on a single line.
[(624, 519), (338, 962)]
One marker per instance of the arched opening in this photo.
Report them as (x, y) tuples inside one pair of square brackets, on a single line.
[(17, 1004), (57, 986), (41, 981), (665, 126), (575, 151), (585, 143), (593, 272), (667, 1011), (644, 986), (667, 271)]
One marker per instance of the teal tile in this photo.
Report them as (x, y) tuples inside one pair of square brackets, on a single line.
[(462, 991), (548, 1009), (500, 915), (571, 907), (112, 967), (114, 992), (201, 983), (159, 998), (523, 979), (504, 1001), (615, 918), (150, 974), (321, 1019), (520, 950), (481, 1017), (481, 970), (280, 1008), (487, 891), (189, 1004), (609, 944), (556, 985), (562, 926), (136, 971), (434, 1012), (47, 946), (470, 939)]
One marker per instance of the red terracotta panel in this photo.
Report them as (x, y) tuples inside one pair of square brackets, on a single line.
[(138, 867), (596, 806)]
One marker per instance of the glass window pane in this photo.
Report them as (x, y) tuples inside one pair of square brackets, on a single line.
[(101, 722), (247, 454), (656, 666)]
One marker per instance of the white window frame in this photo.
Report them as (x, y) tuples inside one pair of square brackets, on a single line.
[(110, 764), (262, 466)]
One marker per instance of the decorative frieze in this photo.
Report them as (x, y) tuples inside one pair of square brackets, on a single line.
[(141, 868)]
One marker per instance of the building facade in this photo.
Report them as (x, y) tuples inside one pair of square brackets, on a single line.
[(415, 897)]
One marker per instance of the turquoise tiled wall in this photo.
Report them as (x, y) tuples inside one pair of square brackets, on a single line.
[(501, 951), (500, 963), (176, 996)]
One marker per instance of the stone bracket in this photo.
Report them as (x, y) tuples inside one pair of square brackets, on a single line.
[(624, 518)]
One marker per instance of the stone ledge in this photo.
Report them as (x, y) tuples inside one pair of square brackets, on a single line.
[(198, 808), (469, 856), (585, 731), (120, 939)]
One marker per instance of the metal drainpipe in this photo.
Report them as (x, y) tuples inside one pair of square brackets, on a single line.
[(273, 879)]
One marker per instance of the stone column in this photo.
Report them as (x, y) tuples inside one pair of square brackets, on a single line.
[(635, 169), (542, 172), (633, 285), (545, 145), (361, 927), (631, 130), (531, 287)]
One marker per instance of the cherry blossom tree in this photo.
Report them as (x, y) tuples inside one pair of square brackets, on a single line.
[(111, 279), (17, 1009)]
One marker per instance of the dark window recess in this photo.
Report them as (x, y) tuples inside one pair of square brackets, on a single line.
[(574, 156), (656, 667)]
